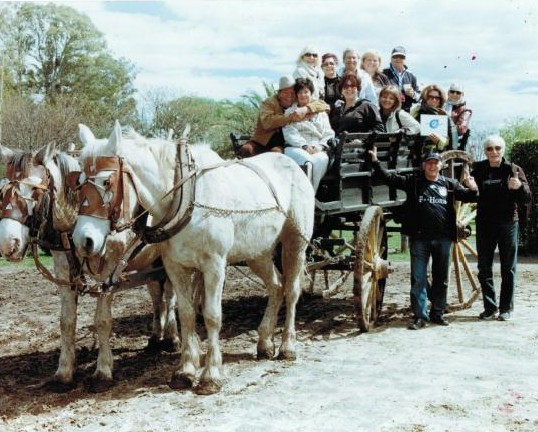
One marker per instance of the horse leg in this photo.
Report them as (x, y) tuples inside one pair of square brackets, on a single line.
[(159, 310), (63, 378), (171, 341), (293, 250), (184, 376), (265, 270), (101, 379), (211, 380), (164, 330)]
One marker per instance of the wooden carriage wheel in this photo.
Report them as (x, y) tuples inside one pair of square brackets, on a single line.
[(371, 267), (467, 288)]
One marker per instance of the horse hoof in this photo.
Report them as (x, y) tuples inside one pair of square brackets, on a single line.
[(205, 388), (99, 385), (265, 354), (181, 381), (56, 386), (287, 355)]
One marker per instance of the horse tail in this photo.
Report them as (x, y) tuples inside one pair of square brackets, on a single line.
[(302, 203)]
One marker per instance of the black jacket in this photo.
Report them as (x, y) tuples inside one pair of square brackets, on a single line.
[(503, 206), (411, 185), (361, 117)]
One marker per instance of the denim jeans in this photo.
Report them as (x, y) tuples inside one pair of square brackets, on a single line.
[(488, 237), (421, 251)]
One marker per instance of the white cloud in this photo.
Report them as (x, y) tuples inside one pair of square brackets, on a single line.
[(224, 48)]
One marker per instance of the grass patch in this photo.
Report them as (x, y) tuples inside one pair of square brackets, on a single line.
[(28, 261)]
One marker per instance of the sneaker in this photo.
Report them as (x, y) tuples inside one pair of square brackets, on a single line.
[(487, 316), (439, 321), (505, 316), (417, 324)]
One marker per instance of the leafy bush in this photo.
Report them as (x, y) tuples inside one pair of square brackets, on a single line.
[(525, 154)]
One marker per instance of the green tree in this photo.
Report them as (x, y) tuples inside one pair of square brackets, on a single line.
[(52, 51), (519, 129), (211, 121)]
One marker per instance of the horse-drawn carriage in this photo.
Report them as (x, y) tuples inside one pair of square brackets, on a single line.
[(355, 215), (210, 213)]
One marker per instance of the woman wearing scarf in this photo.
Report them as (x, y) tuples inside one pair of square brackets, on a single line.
[(308, 66), (456, 107)]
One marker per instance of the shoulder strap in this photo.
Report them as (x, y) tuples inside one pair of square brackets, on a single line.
[(397, 113)]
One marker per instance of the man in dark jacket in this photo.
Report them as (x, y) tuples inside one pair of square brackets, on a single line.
[(502, 185), (431, 228), (399, 75)]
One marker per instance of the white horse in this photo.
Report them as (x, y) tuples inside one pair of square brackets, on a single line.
[(231, 211), (35, 198)]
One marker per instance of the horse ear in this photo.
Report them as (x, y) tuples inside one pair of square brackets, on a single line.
[(7, 154), (114, 139), (47, 152), (85, 134)]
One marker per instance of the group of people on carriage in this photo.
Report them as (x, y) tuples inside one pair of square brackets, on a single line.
[(318, 102)]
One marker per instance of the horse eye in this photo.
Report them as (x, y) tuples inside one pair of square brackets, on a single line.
[(107, 183)]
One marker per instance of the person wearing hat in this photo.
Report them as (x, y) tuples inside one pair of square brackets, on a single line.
[(456, 107), (431, 227), (399, 75), (271, 118), (308, 66)]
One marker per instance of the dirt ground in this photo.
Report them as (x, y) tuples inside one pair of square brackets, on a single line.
[(470, 376)]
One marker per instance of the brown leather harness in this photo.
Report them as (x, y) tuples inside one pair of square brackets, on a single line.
[(16, 206)]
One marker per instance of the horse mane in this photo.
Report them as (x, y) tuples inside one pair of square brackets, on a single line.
[(67, 164), (204, 155), (20, 161)]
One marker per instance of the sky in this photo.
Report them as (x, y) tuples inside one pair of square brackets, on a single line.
[(223, 49)]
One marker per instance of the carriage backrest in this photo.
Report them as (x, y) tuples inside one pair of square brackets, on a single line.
[(350, 186)]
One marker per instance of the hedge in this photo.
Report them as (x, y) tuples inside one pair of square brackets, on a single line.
[(525, 154)]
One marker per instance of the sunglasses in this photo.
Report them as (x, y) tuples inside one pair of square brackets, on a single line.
[(311, 55), (497, 148), (454, 91), (434, 97)]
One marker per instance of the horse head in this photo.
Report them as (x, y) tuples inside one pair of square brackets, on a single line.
[(111, 195), (27, 186)]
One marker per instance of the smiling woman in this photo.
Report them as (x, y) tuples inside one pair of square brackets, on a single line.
[(308, 66)]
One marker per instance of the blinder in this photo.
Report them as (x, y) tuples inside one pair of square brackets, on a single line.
[(14, 203), (103, 202)]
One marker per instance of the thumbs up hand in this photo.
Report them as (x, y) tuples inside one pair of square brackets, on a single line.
[(514, 182), (471, 183)]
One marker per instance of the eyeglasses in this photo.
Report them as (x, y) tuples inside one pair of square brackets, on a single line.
[(496, 148), (311, 55), (328, 64), (454, 91), (434, 97)]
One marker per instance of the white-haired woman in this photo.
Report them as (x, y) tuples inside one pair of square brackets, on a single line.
[(501, 185), (309, 66)]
